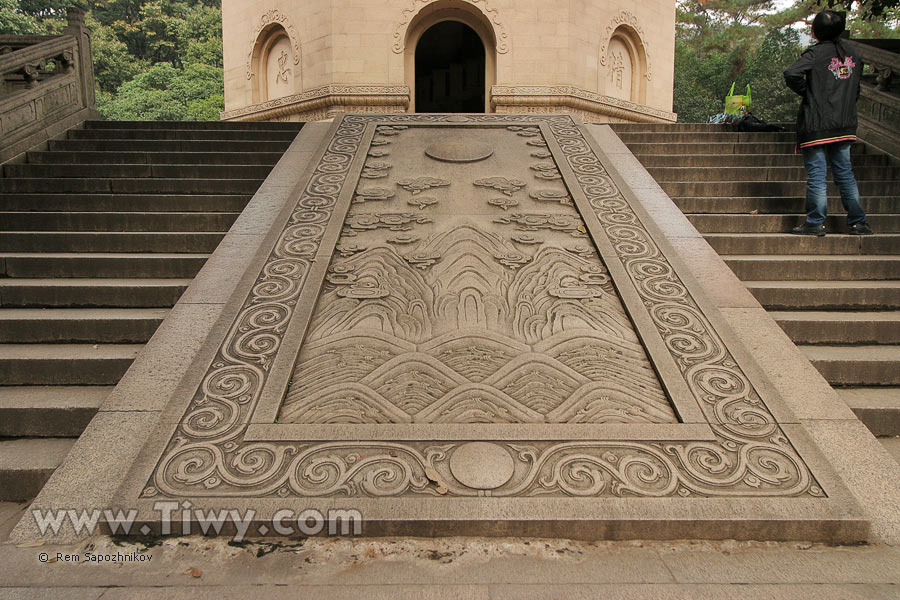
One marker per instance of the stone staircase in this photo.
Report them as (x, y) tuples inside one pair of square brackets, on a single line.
[(837, 297), (99, 236)]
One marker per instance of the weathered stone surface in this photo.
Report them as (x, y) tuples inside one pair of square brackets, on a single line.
[(347, 268)]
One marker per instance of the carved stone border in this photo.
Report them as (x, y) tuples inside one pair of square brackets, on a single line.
[(490, 13), (273, 16), (625, 18), (207, 455)]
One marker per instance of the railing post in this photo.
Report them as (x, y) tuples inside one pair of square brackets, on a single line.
[(77, 28)]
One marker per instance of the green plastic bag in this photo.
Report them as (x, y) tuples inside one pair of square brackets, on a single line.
[(737, 105)]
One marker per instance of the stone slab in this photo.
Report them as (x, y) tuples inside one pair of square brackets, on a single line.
[(868, 470), (892, 445), (616, 517), (748, 476)]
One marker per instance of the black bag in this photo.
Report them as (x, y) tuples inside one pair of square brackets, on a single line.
[(749, 123)]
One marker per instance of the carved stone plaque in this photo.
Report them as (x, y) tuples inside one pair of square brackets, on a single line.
[(470, 306)]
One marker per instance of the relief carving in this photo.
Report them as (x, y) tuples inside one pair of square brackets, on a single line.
[(501, 184), (274, 16), (421, 184), (395, 349), (624, 18)]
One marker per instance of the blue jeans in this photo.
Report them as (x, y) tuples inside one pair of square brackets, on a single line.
[(817, 159)]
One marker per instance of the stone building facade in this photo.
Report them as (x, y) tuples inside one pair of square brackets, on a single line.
[(603, 60)]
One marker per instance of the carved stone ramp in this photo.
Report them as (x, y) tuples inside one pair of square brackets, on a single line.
[(459, 325)]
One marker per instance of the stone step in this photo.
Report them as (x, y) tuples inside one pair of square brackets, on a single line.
[(76, 241), (94, 265), (840, 327), (124, 202), (65, 364), (128, 185), (79, 325), (182, 134), (786, 243), (736, 223), (826, 295), (26, 465), (684, 127), (742, 174), (812, 267), (856, 365), (767, 188), (197, 125), (249, 147), (154, 158), (778, 204), (705, 137), (116, 221), (49, 411), (747, 160), (91, 293), (682, 148), (877, 407), (85, 170)]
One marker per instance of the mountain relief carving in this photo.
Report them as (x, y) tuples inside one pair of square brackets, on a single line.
[(449, 315)]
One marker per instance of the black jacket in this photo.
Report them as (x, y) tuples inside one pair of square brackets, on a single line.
[(827, 77)]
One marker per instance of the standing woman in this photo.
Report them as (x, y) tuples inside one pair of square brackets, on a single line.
[(827, 77)]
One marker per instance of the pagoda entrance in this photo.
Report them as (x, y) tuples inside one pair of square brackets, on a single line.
[(450, 70)]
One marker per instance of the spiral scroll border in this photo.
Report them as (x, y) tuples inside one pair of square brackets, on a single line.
[(208, 457)]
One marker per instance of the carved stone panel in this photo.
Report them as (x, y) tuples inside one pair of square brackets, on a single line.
[(464, 312), (473, 327)]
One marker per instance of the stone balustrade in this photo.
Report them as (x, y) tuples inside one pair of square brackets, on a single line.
[(46, 86), (879, 102)]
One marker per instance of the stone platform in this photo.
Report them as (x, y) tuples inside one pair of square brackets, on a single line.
[(475, 325)]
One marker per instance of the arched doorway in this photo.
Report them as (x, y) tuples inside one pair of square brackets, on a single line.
[(450, 69)]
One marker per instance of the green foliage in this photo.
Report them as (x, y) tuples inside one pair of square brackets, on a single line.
[(15, 22), (164, 93), (723, 41), (153, 59), (749, 41)]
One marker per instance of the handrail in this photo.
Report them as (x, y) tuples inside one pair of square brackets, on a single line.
[(46, 86), (29, 61), (885, 63)]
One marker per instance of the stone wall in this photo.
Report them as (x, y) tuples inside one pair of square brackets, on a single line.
[(358, 55)]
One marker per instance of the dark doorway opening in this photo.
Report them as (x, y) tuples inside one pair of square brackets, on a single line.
[(450, 69)]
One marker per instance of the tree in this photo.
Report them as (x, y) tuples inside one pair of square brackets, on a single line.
[(723, 41), (13, 21), (153, 59), (164, 93)]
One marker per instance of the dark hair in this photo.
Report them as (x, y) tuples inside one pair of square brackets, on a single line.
[(828, 25)]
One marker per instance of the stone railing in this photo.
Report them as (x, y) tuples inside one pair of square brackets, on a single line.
[(46, 86), (879, 101)]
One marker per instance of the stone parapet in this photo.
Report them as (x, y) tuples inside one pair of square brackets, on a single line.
[(879, 102), (47, 86)]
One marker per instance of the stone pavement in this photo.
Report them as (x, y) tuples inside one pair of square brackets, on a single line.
[(459, 568)]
